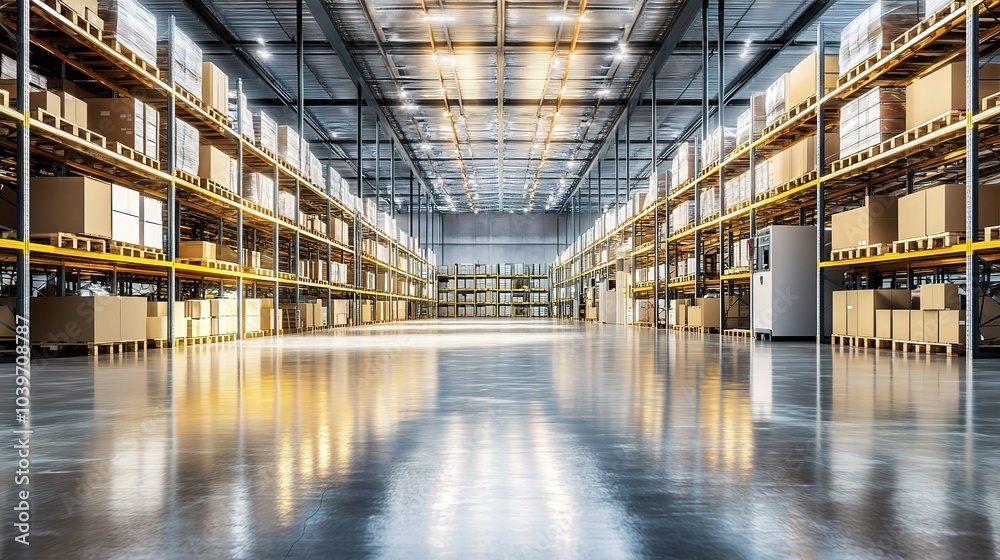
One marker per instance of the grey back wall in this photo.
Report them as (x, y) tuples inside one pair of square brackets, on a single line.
[(501, 238)]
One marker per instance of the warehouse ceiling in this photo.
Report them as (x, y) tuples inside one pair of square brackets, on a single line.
[(506, 105)]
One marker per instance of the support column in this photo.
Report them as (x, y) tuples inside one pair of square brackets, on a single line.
[(724, 250), (618, 163), (173, 217), (656, 213), (358, 283), (820, 195), (698, 248), (972, 179), (241, 262)]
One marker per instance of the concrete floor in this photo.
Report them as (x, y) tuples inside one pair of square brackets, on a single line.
[(511, 439)]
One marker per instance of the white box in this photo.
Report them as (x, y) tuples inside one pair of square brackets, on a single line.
[(152, 235), (126, 228), (125, 200)]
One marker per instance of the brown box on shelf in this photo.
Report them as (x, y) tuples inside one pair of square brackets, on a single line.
[(901, 324), (875, 222), (883, 323), (214, 87), (204, 250), (198, 308), (802, 79), (930, 327), (939, 297), (943, 90), (711, 311), (251, 323), (223, 307), (852, 313), (367, 311), (224, 253), (72, 319), (268, 315), (74, 109), (840, 312), (72, 205), (48, 101), (224, 325), (951, 327), (215, 165), (120, 120), (252, 306)]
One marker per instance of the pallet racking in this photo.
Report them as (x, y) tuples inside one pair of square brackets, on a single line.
[(196, 208), (493, 290), (957, 147)]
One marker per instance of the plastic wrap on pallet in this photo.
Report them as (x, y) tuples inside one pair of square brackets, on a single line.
[(751, 121), (709, 202), (763, 177), (682, 167), (266, 131), (8, 71), (872, 118), (934, 6), (315, 169), (259, 189), (132, 25), (286, 205), (874, 30), (719, 143), (245, 126), (288, 146), (682, 216), (187, 63), (774, 99), (188, 147)]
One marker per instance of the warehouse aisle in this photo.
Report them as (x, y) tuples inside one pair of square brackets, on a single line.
[(513, 439)]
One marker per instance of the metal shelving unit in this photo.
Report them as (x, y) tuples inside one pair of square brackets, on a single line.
[(504, 290), (963, 149), (195, 209)]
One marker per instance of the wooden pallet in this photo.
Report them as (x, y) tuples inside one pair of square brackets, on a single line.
[(937, 241), (738, 333), (710, 217), (272, 332), (5, 97), (95, 348), (737, 270), (82, 133), (187, 177), (254, 334), (258, 271), (945, 348), (775, 191), (992, 233), (925, 24), (286, 276), (76, 19), (682, 279), (862, 67), (899, 140), (789, 115), (683, 185), (862, 341), (138, 157), (739, 206), (215, 188), (859, 252), (136, 251), (258, 208), (991, 101), (77, 241), (705, 170), (211, 263), (146, 66), (287, 220)]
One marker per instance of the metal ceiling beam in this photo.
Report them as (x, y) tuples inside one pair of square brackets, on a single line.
[(679, 26), (325, 22), (583, 103)]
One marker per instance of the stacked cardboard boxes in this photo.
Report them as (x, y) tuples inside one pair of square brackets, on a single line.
[(705, 313), (88, 319), (79, 205), (718, 144), (68, 106), (188, 147), (875, 222), (199, 313), (802, 80), (270, 315), (266, 130), (341, 312), (131, 25), (682, 216), (682, 167), (751, 121), (941, 209), (157, 313), (225, 318), (237, 108), (855, 311), (126, 220), (774, 99), (187, 67), (798, 159), (214, 88), (737, 190), (940, 318), (709, 203), (872, 118), (216, 166), (289, 146), (127, 121), (763, 177), (874, 30), (252, 315), (259, 189), (943, 91)]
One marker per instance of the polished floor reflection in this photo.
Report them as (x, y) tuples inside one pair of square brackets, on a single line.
[(511, 439)]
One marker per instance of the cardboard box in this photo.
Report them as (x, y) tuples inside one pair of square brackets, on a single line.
[(943, 91), (917, 326), (252, 307), (931, 321), (801, 82), (48, 101), (215, 165), (152, 235), (367, 311), (74, 109), (225, 325), (214, 88), (711, 312), (152, 132), (268, 315), (121, 120), (951, 327), (852, 313), (72, 205), (199, 327), (939, 297), (203, 250), (76, 319), (875, 222), (883, 323), (840, 312), (133, 319), (901, 324), (223, 307), (869, 301), (198, 308)]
